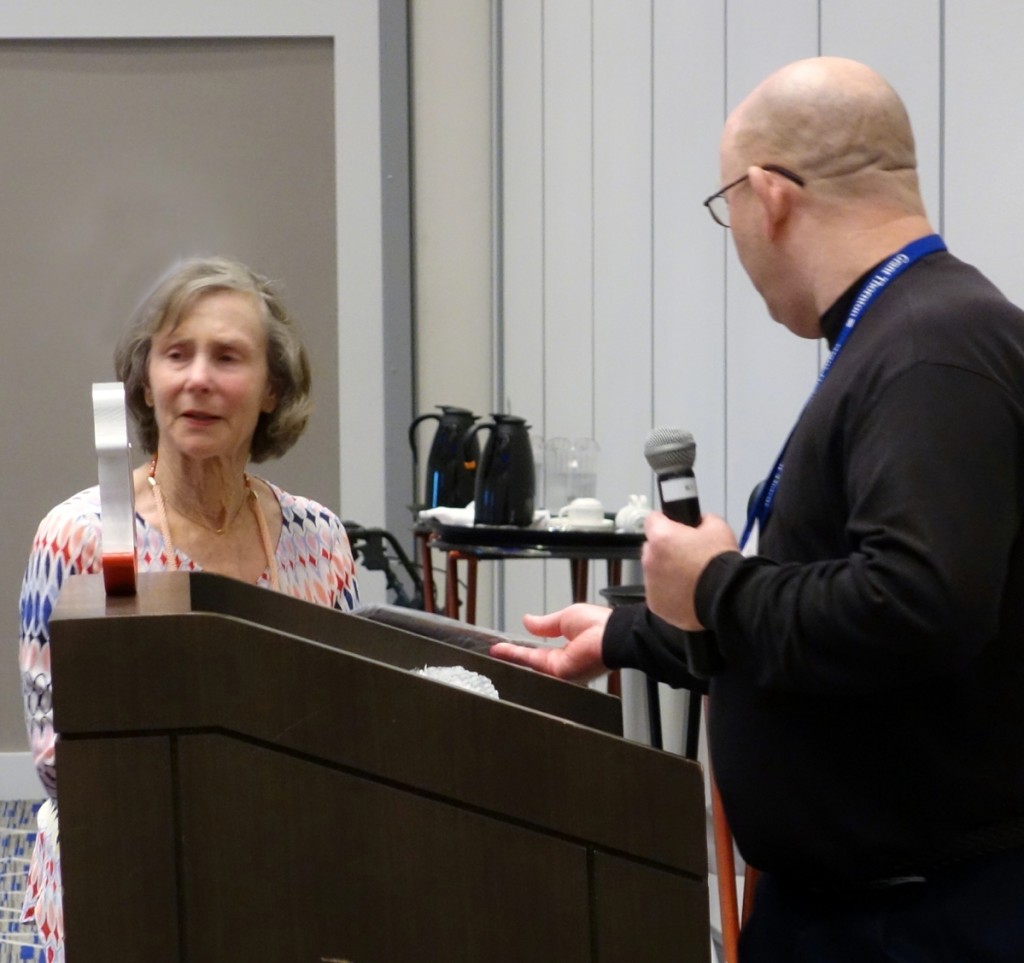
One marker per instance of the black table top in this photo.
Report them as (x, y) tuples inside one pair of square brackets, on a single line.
[(496, 542)]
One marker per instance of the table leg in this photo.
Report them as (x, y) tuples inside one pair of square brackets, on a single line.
[(426, 569), (615, 683), (451, 585), (654, 711), (471, 589), (452, 605), (580, 569), (693, 725), (614, 679)]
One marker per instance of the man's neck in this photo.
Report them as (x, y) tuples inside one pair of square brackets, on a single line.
[(845, 258)]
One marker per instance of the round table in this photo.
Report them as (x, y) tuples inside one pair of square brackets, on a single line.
[(473, 544)]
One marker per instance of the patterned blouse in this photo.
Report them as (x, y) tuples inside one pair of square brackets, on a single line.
[(314, 563)]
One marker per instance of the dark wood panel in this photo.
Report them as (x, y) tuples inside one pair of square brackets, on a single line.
[(314, 864), (637, 906), (132, 832), (461, 645), (180, 592)]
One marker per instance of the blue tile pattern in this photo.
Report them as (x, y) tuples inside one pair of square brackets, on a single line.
[(18, 941)]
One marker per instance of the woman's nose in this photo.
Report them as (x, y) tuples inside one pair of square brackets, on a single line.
[(198, 372)]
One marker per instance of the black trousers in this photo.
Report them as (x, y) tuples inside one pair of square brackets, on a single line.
[(972, 912)]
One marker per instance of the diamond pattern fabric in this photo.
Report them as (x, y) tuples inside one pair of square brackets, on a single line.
[(314, 563)]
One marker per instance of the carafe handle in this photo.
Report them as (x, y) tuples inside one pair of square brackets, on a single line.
[(412, 434), (469, 455)]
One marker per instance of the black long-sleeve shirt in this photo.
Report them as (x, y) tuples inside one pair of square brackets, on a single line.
[(870, 717)]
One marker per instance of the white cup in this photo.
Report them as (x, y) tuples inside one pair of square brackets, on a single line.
[(582, 513)]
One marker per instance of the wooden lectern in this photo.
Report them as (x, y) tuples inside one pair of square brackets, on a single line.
[(247, 777)]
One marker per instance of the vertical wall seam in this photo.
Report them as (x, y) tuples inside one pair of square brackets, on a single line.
[(497, 204), (398, 349), (497, 254), (652, 187), (543, 216), (725, 275), (593, 234), (942, 118), (543, 246), (543, 255)]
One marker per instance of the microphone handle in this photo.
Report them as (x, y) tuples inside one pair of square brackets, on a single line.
[(678, 494), (679, 502)]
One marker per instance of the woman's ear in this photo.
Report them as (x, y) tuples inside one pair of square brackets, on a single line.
[(270, 399), (147, 395)]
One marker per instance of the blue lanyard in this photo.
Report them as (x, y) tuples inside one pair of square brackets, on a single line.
[(892, 269)]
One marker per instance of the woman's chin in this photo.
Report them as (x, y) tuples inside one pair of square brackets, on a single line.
[(195, 449)]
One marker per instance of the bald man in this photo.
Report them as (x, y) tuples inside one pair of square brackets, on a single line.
[(867, 724)]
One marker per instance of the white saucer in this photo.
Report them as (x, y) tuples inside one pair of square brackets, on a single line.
[(564, 525)]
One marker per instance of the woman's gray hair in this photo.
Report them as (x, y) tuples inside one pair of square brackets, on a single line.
[(166, 306)]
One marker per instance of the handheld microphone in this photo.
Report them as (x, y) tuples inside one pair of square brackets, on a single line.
[(671, 453)]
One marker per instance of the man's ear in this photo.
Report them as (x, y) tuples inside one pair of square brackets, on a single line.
[(776, 196)]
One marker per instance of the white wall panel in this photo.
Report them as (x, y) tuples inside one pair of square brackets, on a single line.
[(984, 138), (622, 245), (769, 373), (522, 127), (908, 54), (688, 336), (568, 219), (568, 204), (191, 18)]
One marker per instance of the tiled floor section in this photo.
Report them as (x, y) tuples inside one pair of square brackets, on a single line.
[(17, 833)]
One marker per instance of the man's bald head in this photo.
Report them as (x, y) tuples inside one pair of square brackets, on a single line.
[(834, 121), (838, 125)]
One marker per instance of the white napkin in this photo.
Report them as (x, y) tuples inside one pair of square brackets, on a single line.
[(449, 516), (467, 516)]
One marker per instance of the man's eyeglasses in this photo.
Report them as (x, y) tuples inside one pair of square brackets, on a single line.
[(718, 206)]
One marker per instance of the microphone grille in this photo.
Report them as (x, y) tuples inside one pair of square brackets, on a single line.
[(670, 449)]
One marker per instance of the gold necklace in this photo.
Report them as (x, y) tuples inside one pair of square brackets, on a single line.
[(250, 497)]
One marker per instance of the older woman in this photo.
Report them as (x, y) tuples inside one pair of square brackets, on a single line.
[(215, 377)]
